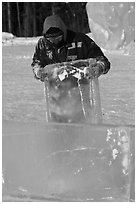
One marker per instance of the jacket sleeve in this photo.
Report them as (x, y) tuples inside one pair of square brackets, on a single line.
[(36, 60), (94, 51)]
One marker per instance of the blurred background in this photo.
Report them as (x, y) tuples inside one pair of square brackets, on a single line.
[(110, 24), (26, 18)]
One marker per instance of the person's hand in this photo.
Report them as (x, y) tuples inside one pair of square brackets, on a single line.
[(50, 71), (95, 71), (42, 75), (39, 73), (46, 72)]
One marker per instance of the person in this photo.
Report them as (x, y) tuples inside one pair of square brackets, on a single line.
[(59, 44)]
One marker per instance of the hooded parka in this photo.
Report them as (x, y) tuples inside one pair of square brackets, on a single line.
[(75, 46)]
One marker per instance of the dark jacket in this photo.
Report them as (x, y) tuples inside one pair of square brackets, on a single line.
[(76, 46)]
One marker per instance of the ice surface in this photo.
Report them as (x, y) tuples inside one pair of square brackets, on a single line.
[(67, 162)]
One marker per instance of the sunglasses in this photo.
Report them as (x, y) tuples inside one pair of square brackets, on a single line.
[(55, 38), (58, 38)]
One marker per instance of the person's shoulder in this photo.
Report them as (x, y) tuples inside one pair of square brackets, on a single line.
[(83, 36), (41, 40), (40, 43), (74, 34), (70, 35), (78, 36)]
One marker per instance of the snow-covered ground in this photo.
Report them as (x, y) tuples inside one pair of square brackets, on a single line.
[(9, 39)]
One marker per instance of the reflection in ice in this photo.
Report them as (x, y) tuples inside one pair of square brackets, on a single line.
[(22, 189)]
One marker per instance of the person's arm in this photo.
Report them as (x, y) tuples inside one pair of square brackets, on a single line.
[(94, 51), (37, 62), (36, 65)]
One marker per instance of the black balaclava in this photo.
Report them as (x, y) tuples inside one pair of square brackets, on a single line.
[(55, 36)]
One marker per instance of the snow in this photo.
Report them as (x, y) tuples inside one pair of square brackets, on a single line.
[(10, 39), (7, 36)]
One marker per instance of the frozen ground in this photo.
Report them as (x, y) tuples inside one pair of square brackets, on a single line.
[(23, 96)]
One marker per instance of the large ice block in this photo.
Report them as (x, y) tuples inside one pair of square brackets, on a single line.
[(72, 93), (112, 24), (67, 162)]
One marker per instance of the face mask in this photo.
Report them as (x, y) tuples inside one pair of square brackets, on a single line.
[(55, 40)]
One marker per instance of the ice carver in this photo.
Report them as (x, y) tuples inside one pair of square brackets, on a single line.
[(60, 44)]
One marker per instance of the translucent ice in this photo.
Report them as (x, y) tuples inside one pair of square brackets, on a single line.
[(67, 162), (72, 95)]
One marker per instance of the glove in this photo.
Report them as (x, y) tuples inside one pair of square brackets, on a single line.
[(42, 75), (39, 73), (95, 71)]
